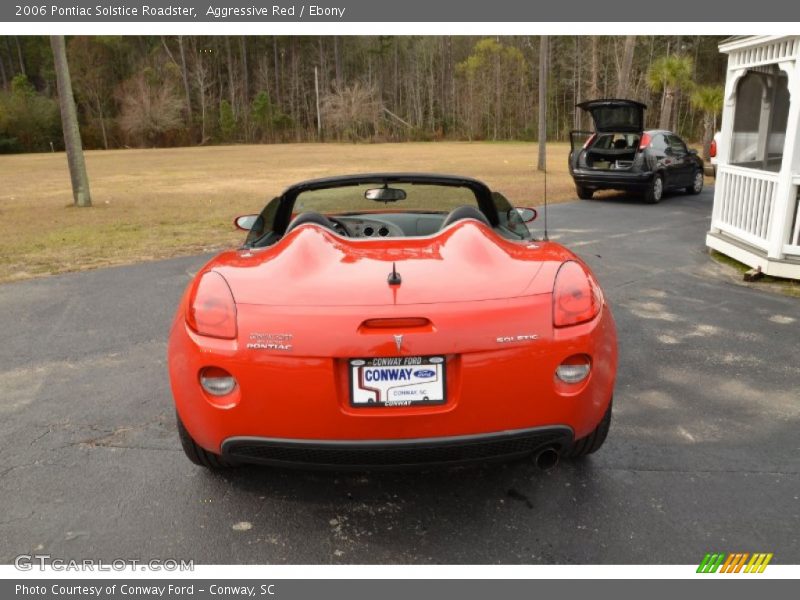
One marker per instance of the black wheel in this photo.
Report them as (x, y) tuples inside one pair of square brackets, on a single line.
[(697, 183), (584, 193), (592, 442), (198, 455), (655, 192)]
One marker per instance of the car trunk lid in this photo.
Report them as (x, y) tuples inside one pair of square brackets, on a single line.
[(616, 116), (314, 267)]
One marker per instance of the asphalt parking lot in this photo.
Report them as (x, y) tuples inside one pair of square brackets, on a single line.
[(703, 453)]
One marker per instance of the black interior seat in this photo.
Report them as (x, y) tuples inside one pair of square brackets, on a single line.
[(464, 212), (310, 217)]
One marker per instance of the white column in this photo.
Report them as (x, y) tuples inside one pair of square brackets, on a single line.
[(726, 133), (783, 208)]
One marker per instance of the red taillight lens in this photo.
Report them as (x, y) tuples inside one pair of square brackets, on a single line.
[(212, 311), (576, 297), (713, 150), (645, 141), (588, 142)]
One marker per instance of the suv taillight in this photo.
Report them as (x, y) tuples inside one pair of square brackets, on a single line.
[(576, 297), (645, 141), (212, 311), (589, 142), (713, 149)]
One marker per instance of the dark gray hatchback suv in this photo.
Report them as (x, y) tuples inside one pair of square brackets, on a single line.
[(621, 155)]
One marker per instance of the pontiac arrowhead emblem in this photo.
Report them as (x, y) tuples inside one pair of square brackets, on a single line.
[(398, 341)]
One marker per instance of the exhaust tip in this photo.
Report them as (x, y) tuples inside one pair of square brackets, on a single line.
[(546, 459)]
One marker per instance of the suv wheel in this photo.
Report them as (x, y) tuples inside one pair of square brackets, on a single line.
[(697, 183), (584, 193), (655, 192)]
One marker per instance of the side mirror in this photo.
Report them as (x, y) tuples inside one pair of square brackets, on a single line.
[(693, 151), (245, 222), (525, 214)]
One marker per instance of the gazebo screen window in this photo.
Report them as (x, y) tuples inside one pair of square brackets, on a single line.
[(759, 125)]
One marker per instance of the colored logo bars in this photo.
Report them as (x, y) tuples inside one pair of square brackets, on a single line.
[(734, 562)]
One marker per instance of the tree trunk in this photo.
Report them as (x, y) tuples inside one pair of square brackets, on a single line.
[(666, 110), (3, 75), (69, 121), (337, 61), (245, 88), (708, 134), (594, 91), (623, 81), (676, 103), (19, 56), (102, 120), (231, 85), (277, 70), (185, 75), (542, 162)]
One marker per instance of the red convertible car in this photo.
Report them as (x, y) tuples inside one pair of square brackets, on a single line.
[(392, 320)]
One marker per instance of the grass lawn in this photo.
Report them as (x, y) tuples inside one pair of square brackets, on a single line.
[(158, 203)]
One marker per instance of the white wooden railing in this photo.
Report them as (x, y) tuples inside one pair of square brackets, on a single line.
[(793, 247), (743, 203)]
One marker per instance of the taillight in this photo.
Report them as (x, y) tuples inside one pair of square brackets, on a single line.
[(212, 311), (645, 141), (588, 142), (576, 297), (713, 150)]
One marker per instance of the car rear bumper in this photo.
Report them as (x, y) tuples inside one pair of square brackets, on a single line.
[(615, 180), (282, 396), (406, 453)]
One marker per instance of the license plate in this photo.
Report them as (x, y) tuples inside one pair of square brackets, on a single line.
[(397, 381)]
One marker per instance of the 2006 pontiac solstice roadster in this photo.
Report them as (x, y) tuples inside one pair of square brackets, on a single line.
[(391, 320)]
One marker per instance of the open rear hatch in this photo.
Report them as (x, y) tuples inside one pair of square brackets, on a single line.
[(618, 127), (616, 116)]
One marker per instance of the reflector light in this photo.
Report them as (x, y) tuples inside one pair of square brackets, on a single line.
[(574, 369), (216, 381)]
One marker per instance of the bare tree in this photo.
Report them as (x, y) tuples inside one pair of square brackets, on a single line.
[(623, 80), (150, 107), (69, 121), (353, 111)]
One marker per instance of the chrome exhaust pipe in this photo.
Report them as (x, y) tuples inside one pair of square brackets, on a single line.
[(546, 459)]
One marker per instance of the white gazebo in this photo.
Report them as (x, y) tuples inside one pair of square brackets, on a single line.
[(755, 218)]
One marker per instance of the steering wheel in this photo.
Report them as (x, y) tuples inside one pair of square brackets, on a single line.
[(317, 219)]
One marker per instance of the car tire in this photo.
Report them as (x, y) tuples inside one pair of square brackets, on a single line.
[(583, 192), (592, 442), (199, 455), (655, 191), (697, 183)]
